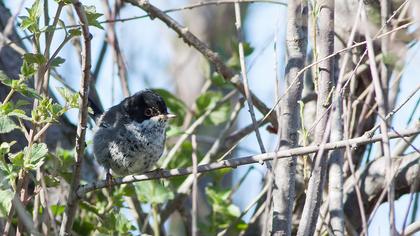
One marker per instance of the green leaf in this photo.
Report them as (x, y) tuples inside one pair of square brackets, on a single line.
[(57, 61), (6, 124), (58, 209), (175, 105), (247, 49), (5, 80), (153, 192), (6, 108), (75, 32), (21, 103), (19, 114), (174, 131), (92, 16), (28, 92), (234, 210), (17, 159), (27, 70), (31, 21), (5, 148), (218, 80), (6, 197), (234, 62), (3, 76), (72, 99), (207, 101), (65, 2), (35, 155), (33, 58)]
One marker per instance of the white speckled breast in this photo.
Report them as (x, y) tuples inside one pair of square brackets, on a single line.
[(138, 147)]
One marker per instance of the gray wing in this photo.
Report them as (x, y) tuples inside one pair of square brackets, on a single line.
[(101, 141)]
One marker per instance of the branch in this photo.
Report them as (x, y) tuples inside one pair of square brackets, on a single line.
[(325, 47), (189, 38), (233, 163), (373, 182), (381, 100), (285, 170), (71, 207), (238, 24)]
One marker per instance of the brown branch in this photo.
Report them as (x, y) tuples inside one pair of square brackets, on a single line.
[(192, 40), (113, 41), (72, 200), (233, 163)]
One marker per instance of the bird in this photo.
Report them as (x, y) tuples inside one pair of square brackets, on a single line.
[(129, 138)]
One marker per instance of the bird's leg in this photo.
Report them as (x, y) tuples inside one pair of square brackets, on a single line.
[(109, 179)]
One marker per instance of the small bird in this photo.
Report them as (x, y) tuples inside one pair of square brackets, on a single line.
[(130, 137)]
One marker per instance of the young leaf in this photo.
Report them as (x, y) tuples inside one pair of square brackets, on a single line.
[(5, 148), (153, 192), (33, 58), (35, 155), (57, 61), (6, 124), (5, 201), (75, 32), (92, 16), (207, 101)]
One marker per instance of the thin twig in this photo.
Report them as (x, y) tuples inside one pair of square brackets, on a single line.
[(382, 105), (112, 39), (238, 25), (233, 163), (194, 186)]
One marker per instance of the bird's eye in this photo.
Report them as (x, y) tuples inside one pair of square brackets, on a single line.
[(148, 112)]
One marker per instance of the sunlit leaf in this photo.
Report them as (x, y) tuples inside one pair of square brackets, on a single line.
[(92, 16), (6, 124), (6, 197), (153, 192)]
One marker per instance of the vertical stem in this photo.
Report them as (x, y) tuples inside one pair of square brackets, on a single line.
[(285, 170), (325, 48), (155, 214), (194, 187), (72, 201)]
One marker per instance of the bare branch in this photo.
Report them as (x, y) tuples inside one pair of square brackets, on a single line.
[(383, 106), (233, 163), (373, 182), (285, 170), (325, 47), (238, 24), (72, 200)]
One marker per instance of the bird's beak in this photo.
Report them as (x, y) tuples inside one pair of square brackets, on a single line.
[(166, 116)]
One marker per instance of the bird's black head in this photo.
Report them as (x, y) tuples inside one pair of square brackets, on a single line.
[(144, 105)]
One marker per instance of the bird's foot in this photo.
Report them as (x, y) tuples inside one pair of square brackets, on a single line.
[(109, 180)]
